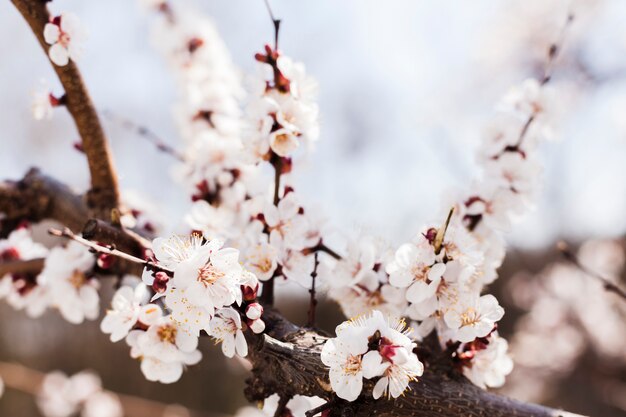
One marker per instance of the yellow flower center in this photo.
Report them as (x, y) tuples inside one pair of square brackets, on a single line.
[(77, 279), (469, 317), (209, 274), (352, 365), (167, 333)]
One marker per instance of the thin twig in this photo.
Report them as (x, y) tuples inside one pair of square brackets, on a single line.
[(320, 408), (553, 53), (267, 296), (573, 259), (67, 233), (313, 300), (276, 23), (321, 247), (145, 133)]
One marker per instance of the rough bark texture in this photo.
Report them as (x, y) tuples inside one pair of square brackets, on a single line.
[(103, 195), (287, 361), (37, 197)]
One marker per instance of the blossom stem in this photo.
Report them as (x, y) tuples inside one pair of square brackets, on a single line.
[(441, 232), (268, 288), (67, 233), (321, 247), (276, 23), (573, 259), (553, 52), (313, 300)]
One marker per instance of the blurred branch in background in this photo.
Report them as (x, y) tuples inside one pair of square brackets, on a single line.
[(21, 378)]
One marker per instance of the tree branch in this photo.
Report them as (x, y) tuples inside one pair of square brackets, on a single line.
[(31, 266), (27, 380), (573, 259), (287, 361), (103, 195), (123, 239), (37, 197)]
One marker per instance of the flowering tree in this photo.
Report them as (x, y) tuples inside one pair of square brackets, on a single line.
[(247, 231)]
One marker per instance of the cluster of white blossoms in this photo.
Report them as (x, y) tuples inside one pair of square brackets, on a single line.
[(227, 152), (65, 282), (196, 286), (371, 347), (201, 283), (65, 34), (82, 393), (297, 406), (438, 279), (283, 115), (163, 346)]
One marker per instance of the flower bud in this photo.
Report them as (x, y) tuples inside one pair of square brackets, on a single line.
[(257, 326), (254, 311)]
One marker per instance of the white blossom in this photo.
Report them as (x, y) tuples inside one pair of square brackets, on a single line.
[(489, 366), (165, 348), (21, 290), (212, 277), (73, 291), (370, 347), (103, 404), (62, 396), (473, 317), (66, 35), (126, 309), (226, 328)]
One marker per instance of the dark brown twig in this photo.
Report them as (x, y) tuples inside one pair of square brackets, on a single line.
[(319, 409), (275, 22), (313, 300)]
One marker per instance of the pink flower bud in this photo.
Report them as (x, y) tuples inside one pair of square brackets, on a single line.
[(254, 311), (160, 282), (249, 293), (105, 261), (257, 326)]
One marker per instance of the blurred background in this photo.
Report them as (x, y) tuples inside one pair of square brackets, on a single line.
[(406, 90)]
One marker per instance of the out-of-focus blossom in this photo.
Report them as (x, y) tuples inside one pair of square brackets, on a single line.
[(66, 36)]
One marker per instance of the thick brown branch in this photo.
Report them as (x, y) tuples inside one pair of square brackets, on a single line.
[(37, 197), (123, 239), (287, 361), (31, 266), (103, 196)]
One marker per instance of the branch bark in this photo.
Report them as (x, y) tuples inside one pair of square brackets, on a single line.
[(37, 197), (103, 195), (287, 361)]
